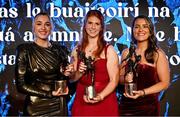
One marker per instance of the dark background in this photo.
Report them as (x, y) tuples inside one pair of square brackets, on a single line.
[(12, 101)]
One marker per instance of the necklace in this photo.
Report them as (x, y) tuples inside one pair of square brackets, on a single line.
[(92, 49)]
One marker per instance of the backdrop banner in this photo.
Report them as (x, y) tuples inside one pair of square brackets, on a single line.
[(67, 16)]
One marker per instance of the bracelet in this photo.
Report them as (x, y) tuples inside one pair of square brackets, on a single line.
[(143, 93)]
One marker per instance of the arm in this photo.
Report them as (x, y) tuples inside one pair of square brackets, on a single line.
[(163, 74), (113, 71), (78, 69), (21, 74), (122, 66)]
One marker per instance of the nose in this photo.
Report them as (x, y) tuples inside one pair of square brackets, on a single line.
[(43, 27), (141, 28), (93, 26)]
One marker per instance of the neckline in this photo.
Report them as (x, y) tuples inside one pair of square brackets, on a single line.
[(99, 59), (42, 46), (147, 65)]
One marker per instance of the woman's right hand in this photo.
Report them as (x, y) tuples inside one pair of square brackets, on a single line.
[(129, 77), (59, 92), (82, 67)]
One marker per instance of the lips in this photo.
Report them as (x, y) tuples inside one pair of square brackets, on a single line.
[(141, 34), (43, 32)]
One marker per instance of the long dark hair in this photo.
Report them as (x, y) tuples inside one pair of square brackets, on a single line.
[(152, 42), (101, 42)]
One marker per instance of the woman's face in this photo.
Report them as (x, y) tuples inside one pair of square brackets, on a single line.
[(141, 30), (93, 27), (42, 27)]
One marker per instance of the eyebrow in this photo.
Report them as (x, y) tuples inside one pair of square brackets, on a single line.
[(141, 24), (41, 21)]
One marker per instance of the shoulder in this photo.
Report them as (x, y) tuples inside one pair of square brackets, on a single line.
[(160, 51), (110, 50), (125, 52), (75, 51), (59, 46), (160, 54), (23, 47)]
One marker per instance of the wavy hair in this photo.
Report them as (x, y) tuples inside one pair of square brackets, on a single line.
[(101, 42), (152, 42)]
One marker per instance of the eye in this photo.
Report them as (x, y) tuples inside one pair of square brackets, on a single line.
[(38, 23), (89, 22), (48, 24), (136, 26), (145, 26), (97, 24)]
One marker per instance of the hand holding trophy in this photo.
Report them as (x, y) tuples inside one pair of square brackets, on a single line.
[(90, 90), (130, 74)]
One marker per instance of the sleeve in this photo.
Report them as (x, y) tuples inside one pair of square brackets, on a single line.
[(21, 75)]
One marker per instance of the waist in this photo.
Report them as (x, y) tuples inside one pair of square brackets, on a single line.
[(44, 86)]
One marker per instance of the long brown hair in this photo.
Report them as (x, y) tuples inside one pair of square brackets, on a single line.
[(152, 42), (101, 42)]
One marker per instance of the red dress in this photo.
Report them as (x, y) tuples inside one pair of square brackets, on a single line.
[(107, 107), (142, 106)]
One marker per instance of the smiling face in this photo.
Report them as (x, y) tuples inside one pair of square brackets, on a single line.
[(93, 27), (141, 30), (42, 27)]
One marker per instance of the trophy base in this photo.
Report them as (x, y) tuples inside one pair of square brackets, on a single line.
[(130, 87), (90, 92)]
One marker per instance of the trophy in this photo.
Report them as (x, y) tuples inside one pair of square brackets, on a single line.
[(131, 69), (130, 87), (62, 84), (90, 90)]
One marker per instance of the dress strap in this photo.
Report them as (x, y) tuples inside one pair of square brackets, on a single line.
[(106, 47)]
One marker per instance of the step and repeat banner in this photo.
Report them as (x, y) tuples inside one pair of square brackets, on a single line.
[(67, 16)]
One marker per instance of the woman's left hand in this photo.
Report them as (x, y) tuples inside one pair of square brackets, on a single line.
[(92, 101), (137, 94), (59, 92)]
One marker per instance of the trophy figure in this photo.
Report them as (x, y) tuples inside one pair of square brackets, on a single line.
[(90, 90), (130, 72)]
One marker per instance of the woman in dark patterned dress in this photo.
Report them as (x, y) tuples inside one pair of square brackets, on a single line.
[(38, 65), (151, 74)]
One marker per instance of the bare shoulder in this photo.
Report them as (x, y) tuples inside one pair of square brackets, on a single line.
[(125, 52), (160, 55), (111, 50), (74, 51)]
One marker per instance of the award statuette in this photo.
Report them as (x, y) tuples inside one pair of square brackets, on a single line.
[(62, 84), (89, 90), (131, 86)]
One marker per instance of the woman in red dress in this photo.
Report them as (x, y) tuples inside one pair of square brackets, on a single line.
[(151, 74), (105, 69)]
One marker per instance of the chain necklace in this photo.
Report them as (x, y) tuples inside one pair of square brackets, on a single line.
[(92, 49)]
